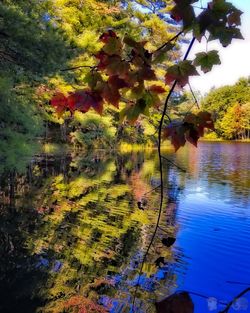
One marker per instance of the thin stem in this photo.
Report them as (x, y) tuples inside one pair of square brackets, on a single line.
[(161, 175), (151, 190), (177, 166), (193, 94), (234, 299), (170, 40)]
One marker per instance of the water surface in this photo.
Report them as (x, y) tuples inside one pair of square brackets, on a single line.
[(73, 236)]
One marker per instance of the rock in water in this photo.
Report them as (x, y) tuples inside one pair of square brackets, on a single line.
[(179, 302)]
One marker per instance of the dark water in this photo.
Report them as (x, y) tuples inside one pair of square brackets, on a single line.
[(72, 235)]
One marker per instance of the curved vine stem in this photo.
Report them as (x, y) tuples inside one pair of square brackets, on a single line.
[(161, 176)]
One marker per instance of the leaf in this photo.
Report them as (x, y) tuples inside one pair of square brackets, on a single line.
[(160, 55), (160, 261), (146, 73), (106, 36), (224, 34), (179, 302), (157, 89), (235, 18), (138, 49), (83, 100), (92, 78), (180, 72), (109, 93), (190, 129), (207, 60), (133, 110), (117, 83), (80, 100), (117, 67), (113, 46), (176, 132), (97, 102), (183, 11), (168, 242), (59, 102)]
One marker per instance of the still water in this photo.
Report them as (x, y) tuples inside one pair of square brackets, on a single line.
[(72, 235)]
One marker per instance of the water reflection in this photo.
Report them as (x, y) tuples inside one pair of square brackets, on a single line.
[(72, 233)]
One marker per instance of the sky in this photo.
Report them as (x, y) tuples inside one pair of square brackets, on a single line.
[(234, 59)]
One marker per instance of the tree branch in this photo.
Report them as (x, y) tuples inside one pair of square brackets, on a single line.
[(77, 67)]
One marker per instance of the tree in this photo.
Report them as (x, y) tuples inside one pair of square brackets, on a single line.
[(229, 107)]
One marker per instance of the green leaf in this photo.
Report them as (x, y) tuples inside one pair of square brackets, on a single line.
[(207, 60), (225, 34), (160, 55), (180, 72), (183, 12), (113, 46), (132, 111)]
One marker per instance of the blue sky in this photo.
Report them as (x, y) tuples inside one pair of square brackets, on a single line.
[(234, 58)]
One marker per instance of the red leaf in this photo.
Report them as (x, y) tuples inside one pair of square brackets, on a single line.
[(177, 133), (97, 102), (117, 83), (109, 34), (80, 100), (192, 136), (169, 78), (59, 102), (156, 89), (146, 73), (110, 94)]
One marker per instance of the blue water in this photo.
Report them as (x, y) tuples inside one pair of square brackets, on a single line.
[(214, 227)]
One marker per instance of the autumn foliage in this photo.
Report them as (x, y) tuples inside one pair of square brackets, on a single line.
[(125, 70)]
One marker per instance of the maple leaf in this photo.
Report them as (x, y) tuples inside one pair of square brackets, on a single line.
[(207, 60), (139, 53), (146, 73), (106, 36), (117, 67), (235, 18), (190, 129), (80, 100), (92, 78), (59, 102), (224, 34), (180, 72), (176, 132), (183, 11), (133, 110), (157, 89), (117, 83), (96, 102), (161, 54), (112, 46), (109, 93)]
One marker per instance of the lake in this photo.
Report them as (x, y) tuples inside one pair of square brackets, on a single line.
[(74, 229)]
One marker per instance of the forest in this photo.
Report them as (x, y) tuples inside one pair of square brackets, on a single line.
[(48, 46), (95, 101)]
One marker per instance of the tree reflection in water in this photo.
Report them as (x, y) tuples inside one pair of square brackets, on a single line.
[(74, 236)]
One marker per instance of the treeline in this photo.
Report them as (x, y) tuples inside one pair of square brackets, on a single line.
[(230, 106), (48, 46)]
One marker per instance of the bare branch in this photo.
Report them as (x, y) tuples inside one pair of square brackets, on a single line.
[(77, 67)]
